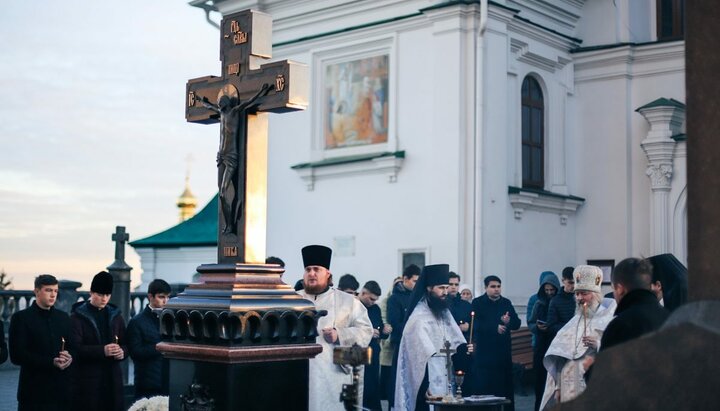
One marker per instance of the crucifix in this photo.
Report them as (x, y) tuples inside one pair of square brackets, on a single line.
[(240, 100), (448, 352)]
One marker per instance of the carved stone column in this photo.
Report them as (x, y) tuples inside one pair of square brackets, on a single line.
[(665, 117)]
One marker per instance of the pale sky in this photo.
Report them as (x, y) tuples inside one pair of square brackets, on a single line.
[(92, 129)]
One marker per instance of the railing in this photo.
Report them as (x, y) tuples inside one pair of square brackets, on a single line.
[(12, 301)]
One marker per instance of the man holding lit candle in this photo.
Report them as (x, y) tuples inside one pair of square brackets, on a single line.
[(579, 339), (37, 336), (98, 336)]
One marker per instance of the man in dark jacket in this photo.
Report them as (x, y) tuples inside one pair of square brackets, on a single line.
[(397, 306), (371, 383), (459, 308), (98, 336), (39, 344), (495, 318), (638, 311), (562, 306), (143, 333), (537, 323)]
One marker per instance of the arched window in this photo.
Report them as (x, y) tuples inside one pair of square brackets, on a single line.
[(533, 134)]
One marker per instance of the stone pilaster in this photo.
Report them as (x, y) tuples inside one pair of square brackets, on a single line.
[(665, 117)]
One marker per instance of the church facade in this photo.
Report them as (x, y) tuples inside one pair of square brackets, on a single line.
[(502, 137)]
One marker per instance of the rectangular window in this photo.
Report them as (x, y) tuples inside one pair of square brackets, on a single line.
[(670, 19)]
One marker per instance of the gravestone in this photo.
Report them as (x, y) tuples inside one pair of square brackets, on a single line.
[(241, 338)]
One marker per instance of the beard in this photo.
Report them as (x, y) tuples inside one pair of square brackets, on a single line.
[(591, 308), (437, 305), (318, 288)]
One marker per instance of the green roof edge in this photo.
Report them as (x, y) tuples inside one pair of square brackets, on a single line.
[(199, 230), (334, 161), (662, 102), (518, 190)]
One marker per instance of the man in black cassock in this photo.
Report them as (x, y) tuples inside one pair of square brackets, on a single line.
[(495, 317), (39, 344), (428, 328), (371, 383)]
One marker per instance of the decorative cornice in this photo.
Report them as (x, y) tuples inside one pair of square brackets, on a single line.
[(388, 163), (522, 199), (524, 55)]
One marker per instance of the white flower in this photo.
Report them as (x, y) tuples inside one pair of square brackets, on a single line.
[(157, 403)]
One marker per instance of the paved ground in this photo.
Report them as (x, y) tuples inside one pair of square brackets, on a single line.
[(9, 375)]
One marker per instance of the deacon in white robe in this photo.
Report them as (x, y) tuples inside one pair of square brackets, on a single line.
[(566, 360), (429, 325), (345, 324)]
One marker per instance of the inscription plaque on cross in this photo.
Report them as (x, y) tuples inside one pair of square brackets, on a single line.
[(240, 100)]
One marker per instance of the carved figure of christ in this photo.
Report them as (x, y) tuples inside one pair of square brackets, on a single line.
[(239, 100)]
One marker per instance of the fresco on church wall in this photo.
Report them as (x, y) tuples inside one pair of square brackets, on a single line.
[(356, 102)]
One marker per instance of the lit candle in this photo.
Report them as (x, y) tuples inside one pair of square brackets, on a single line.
[(116, 339), (62, 346), (472, 323)]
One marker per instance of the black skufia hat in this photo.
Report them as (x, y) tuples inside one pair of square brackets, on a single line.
[(316, 255), (102, 283), (436, 274)]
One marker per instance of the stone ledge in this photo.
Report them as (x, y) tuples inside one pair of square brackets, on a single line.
[(387, 163), (522, 199)]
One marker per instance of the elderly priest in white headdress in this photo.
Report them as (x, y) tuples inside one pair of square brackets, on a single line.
[(346, 323), (577, 343), (429, 337)]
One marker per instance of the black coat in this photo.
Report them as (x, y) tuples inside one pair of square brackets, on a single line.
[(35, 340), (97, 379), (3, 345), (397, 306), (492, 365), (371, 390), (560, 311), (637, 314), (460, 310), (143, 333)]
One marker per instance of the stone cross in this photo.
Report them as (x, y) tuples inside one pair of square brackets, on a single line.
[(239, 100), (120, 237)]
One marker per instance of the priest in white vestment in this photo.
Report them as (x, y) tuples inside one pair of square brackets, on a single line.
[(428, 327), (576, 344), (346, 323)]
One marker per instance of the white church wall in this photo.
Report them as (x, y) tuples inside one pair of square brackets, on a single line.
[(606, 22), (174, 265), (615, 222), (419, 211)]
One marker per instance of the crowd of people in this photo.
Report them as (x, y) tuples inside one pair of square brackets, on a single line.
[(93, 338), (425, 319)]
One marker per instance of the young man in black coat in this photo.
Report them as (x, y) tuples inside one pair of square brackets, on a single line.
[(397, 306), (495, 318), (143, 333), (459, 308), (562, 306), (371, 383), (638, 311), (39, 344), (98, 337)]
